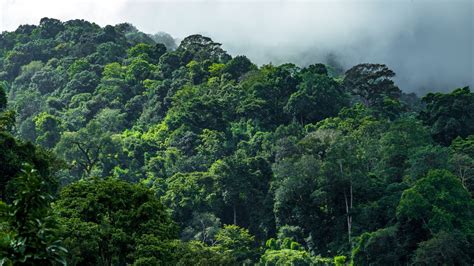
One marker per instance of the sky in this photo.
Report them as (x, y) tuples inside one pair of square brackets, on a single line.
[(429, 44)]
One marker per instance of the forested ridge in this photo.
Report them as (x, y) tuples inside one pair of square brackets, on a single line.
[(123, 148)]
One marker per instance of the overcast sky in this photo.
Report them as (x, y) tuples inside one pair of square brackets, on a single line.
[(429, 44)]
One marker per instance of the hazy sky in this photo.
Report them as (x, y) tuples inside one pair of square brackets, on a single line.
[(429, 44)]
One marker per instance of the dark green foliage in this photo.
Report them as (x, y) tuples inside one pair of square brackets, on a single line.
[(426, 158), (438, 202), (200, 48), (30, 228), (102, 220), (243, 182), (335, 166), (189, 192), (7, 120), (371, 245), (147, 52), (12, 158), (401, 141), (3, 98), (238, 66), (434, 226), (462, 160), (449, 115), (48, 130), (448, 248), (439, 207), (237, 242), (372, 84), (318, 97)]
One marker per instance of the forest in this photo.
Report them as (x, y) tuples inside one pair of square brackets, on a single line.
[(124, 148)]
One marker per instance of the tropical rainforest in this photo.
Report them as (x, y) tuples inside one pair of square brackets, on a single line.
[(123, 148)]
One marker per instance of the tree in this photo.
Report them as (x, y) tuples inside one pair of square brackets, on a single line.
[(27, 104), (378, 248), (85, 149), (49, 27), (78, 66), (436, 212), (295, 203), (150, 53), (238, 66), (286, 252), (48, 128), (403, 138), (372, 83), (82, 82), (109, 52), (464, 168), (238, 242), (242, 183), (318, 97), (448, 200), (449, 115), (111, 216), (286, 257), (203, 48), (436, 205), (47, 80), (14, 154), (268, 91), (462, 159), (32, 229), (28, 228), (465, 146), (139, 70), (153, 251), (449, 248), (7, 120), (424, 159), (188, 193), (3, 98), (203, 227)]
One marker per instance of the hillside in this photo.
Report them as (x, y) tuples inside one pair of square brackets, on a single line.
[(125, 148)]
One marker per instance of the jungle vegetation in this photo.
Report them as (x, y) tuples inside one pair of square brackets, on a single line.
[(122, 148)]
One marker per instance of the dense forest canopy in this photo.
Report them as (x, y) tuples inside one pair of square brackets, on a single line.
[(118, 147)]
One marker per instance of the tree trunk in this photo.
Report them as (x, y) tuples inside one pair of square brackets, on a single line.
[(235, 215), (349, 205), (348, 218)]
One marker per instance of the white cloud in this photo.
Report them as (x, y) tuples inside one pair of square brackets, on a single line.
[(17, 12)]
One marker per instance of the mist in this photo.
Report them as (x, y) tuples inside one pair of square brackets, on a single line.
[(429, 44)]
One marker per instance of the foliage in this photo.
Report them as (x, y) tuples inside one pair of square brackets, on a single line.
[(286, 257), (310, 160), (29, 230), (237, 241), (449, 115), (287, 252), (3, 98), (111, 215), (14, 155), (372, 83), (153, 251)]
